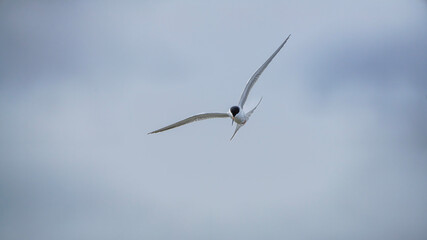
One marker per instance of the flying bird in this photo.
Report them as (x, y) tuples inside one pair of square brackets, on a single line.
[(236, 113)]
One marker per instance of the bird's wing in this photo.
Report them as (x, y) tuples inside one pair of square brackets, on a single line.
[(256, 75), (198, 117), (235, 131)]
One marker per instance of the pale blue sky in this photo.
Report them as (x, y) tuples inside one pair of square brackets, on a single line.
[(343, 157)]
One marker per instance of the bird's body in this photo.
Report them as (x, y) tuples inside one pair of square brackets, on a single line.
[(241, 118), (236, 113)]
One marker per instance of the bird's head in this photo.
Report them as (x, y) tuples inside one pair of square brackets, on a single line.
[(234, 110)]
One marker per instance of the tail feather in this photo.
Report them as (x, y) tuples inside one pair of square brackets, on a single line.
[(238, 126), (248, 114)]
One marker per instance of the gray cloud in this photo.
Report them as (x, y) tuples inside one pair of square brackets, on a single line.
[(343, 155)]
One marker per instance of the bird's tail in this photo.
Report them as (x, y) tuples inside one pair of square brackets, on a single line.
[(248, 114), (238, 126)]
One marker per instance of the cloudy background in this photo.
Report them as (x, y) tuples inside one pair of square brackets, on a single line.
[(336, 150)]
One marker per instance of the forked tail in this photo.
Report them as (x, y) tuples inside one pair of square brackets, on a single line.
[(252, 111), (238, 126), (248, 114)]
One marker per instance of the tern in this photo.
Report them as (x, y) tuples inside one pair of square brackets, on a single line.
[(236, 113)]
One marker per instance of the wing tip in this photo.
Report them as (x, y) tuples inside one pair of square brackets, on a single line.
[(286, 39)]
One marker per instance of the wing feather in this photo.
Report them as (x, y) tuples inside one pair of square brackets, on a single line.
[(251, 82), (197, 117)]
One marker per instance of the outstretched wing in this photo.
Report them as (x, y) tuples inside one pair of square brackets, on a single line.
[(198, 117), (256, 75)]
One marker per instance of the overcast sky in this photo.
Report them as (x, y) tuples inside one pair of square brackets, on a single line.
[(336, 150)]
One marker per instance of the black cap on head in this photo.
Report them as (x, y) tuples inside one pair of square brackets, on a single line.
[(234, 110)]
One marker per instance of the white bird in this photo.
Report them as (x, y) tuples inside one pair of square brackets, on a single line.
[(236, 113)]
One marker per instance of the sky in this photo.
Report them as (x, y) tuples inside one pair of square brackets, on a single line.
[(337, 149)]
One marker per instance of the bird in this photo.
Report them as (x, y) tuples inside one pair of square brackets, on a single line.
[(236, 113)]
